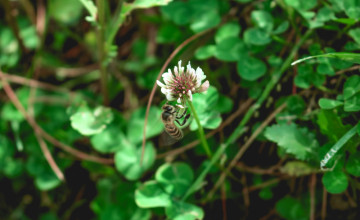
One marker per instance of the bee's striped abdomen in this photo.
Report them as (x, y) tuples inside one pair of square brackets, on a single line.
[(174, 131)]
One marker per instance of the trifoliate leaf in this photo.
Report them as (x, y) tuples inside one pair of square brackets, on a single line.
[(110, 140), (89, 121), (231, 29), (335, 181), (352, 8), (6, 150), (263, 20), (205, 21), (251, 68), (45, 178), (176, 178), (65, 11), (13, 167), (292, 209), (266, 193), (151, 194), (296, 105), (230, 49), (256, 36), (184, 211), (178, 12), (224, 105), (325, 14), (353, 164), (351, 86), (352, 104), (301, 5), (9, 48), (325, 68), (205, 52), (168, 33), (128, 160), (112, 193), (136, 124), (127, 7), (28, 34), (205, 106), (47, 181), (307, 77), (325, 103), (331, 125), (10, 113), (281, 28)]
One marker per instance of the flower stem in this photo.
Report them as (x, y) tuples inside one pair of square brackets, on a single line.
[(200, 130), (102, 50)]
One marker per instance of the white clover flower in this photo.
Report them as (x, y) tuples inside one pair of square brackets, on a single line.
[(181, 85)]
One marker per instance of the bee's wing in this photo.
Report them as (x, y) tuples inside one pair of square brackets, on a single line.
[(166, 139)]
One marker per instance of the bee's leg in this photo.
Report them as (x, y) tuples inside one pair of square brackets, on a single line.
[(184, 121), (182, 115)]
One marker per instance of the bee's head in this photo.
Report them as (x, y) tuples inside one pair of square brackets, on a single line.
[(168, 108)]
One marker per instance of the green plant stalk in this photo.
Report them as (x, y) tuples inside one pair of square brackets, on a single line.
[(337, 146), (102, 50), (115, 24), (200, 130)]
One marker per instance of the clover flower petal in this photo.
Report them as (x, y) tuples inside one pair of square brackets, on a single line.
[(204, 87), (181, 85)]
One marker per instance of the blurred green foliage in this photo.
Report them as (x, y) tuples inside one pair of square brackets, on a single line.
[(243, 47)]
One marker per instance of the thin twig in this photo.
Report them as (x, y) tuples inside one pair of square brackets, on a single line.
[(259, 171), (51, 100), (245, 192), (312, 196), (356, 67), (75, 72), (49, 158), (243, 149), (33, 83), (40, 27), (29, 10), (324, 204), (273, 181), (41, 19), (269, 214), (288, 40), (168, 60), (43, 146), (350, 199), (81, 155), (265, 184), (223, 201)]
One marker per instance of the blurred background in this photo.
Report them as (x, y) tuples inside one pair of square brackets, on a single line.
[(77, 77)]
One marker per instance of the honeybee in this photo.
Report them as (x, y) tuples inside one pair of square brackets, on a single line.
[(169, 116)]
